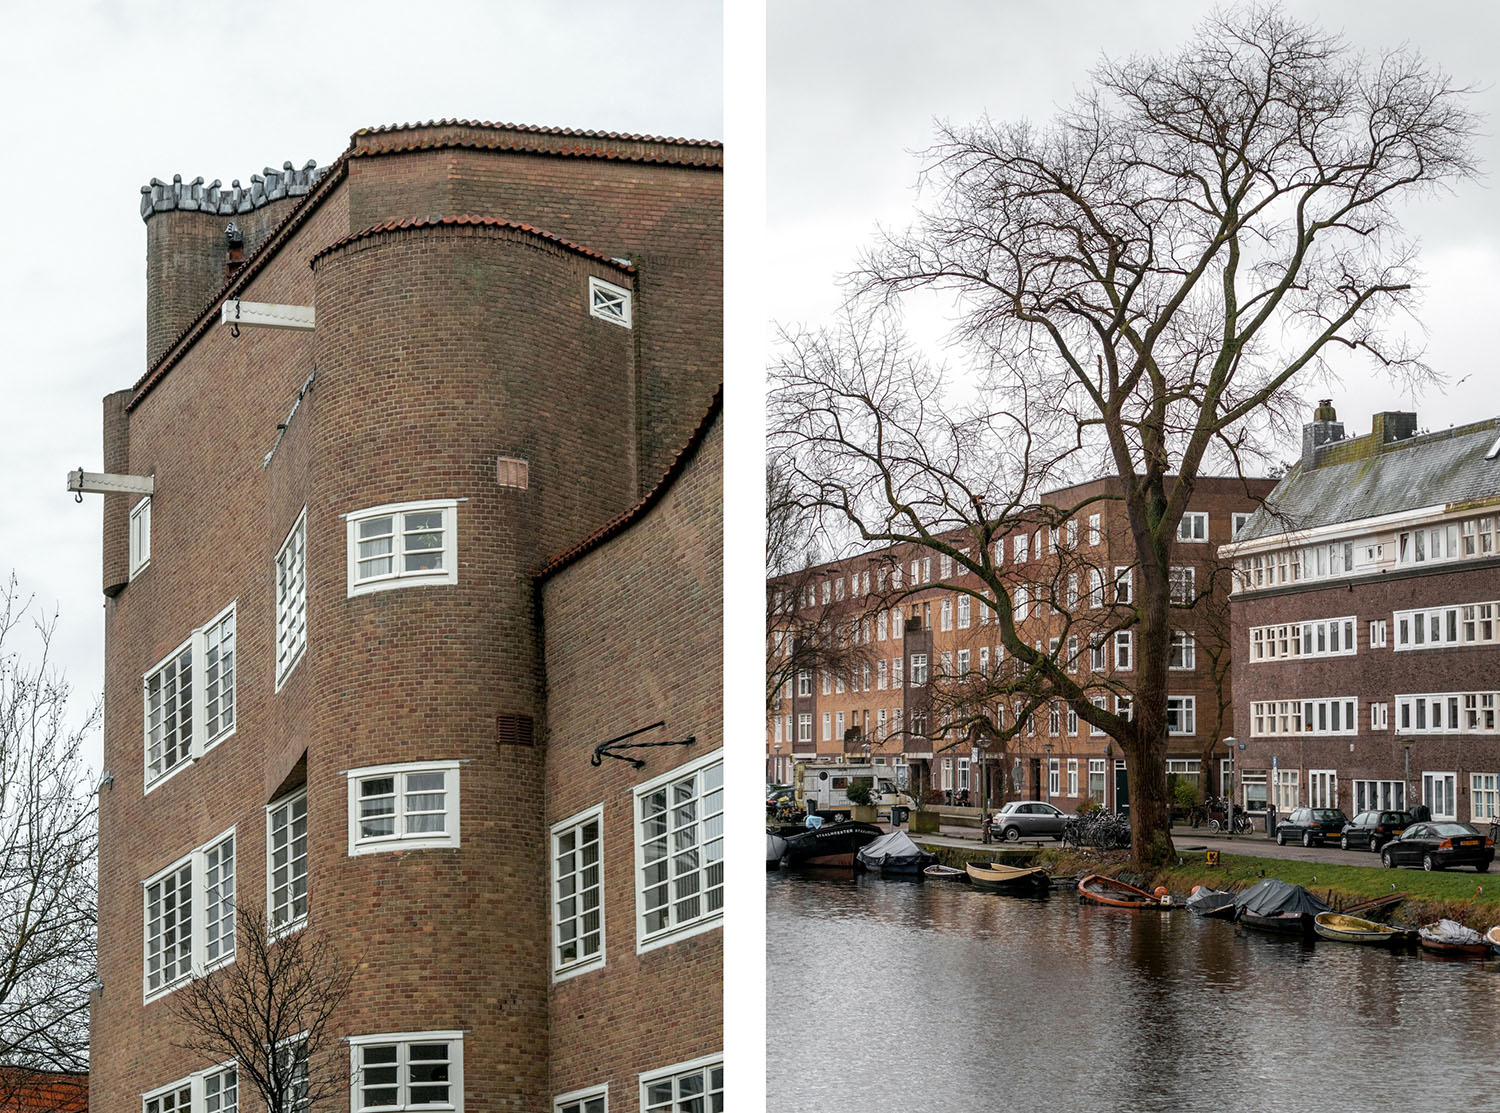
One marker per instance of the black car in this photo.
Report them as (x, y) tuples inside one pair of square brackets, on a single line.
[(1439, 845), (1314, 826), (1374, 829)]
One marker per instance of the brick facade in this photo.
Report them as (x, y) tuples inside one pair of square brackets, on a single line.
[(935, 762), (1293, 578), (441, 346)]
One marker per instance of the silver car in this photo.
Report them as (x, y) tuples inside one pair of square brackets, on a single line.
[(1027, 819)]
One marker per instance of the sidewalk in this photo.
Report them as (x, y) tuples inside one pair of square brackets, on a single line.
[(1183, 836)]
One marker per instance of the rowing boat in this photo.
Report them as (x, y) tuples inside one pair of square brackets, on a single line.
[(1098, 889), (1343, 928), (997, 878), (943, 873), (1211, 902), (1448, 937), (1492, 937)]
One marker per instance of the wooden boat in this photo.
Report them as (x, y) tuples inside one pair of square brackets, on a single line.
[(1376, 909), (833, 846), (1492, 937), (1279, 923), (1448, 937), (997, 878), (775, 850), (944, 873), (1342, 928), (1098, 889)]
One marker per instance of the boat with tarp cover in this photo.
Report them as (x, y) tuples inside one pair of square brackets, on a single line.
[(1451, 938), (1342, 928), (833, 846), (1280, 908), (997, 878), (1215, 903), (1098, 889), (894, 853)]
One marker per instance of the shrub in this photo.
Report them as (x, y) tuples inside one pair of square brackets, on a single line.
[(859, 792), (1185, 794)]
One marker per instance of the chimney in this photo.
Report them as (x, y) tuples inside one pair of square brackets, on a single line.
[(1393, 426), (1325, 429), (234, 240)]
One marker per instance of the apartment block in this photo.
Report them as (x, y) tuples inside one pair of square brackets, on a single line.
[(921, 640), (385, 601), (1364, 622)]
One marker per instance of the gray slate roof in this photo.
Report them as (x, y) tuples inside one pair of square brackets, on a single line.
[(1436, 468)]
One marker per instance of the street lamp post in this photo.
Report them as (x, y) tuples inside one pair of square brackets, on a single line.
[(778, 760), (1231, 742)]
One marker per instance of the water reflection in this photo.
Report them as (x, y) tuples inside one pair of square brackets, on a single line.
[(917, 997)]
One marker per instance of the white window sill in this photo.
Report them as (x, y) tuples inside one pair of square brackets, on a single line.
[(393, 583), (676, 935), (563, 974), (386, 846)]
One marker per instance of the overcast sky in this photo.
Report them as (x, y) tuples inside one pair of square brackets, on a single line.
[(853, 89), (102, 97)]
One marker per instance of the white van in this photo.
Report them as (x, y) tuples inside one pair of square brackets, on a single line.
[(823, 789)]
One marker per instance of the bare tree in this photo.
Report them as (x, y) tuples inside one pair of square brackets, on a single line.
[(1144, 280), (48, 837), (270, 1011)]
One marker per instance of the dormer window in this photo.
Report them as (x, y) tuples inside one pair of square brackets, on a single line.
[(609, 303)]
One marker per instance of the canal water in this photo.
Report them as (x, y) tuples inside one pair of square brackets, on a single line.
[(915, 996)]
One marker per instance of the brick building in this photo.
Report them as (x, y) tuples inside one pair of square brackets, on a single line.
[(385, 598), (1364, 622), (919, 647)]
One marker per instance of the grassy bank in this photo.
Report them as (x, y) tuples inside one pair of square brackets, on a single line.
[(1468, 897)]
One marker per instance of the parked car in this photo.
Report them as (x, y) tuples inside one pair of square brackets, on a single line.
[(1028, 818), (1439, 845), (1314, 826), (1374, 829)]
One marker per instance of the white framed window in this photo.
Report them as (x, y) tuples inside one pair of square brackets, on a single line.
[(1096, 779), (1377, 634), (692, 1087), (827, 726), (1385, 795), (291, 599), (804, 727), (1380, 717), (609, 302), (593, 1099), (1181, 714), (1096, 587), (412, 806), (140, 536), (1073, 776), (1322, 788), (1193, 526), (1124, 650), (964, 609), (190, 698), (1094, 531), (215, 1090), (1054, 776), (189, 917), (1237, 522), (679, 852), (1484, 796), (963, 662), (947, 614), (1440, 793), (1098, 653), (407, 1070), (1183, 651), (1288, 789), (1124, 577), (1180, 587), (408, 544), (804, 682), (918, 669), (286, 860)]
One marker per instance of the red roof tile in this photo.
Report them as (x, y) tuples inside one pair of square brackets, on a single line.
[(385, 129), (639, 510), (477, 221)]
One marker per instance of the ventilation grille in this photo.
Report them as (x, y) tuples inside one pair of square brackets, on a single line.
[(510, 472), (513, 730)]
